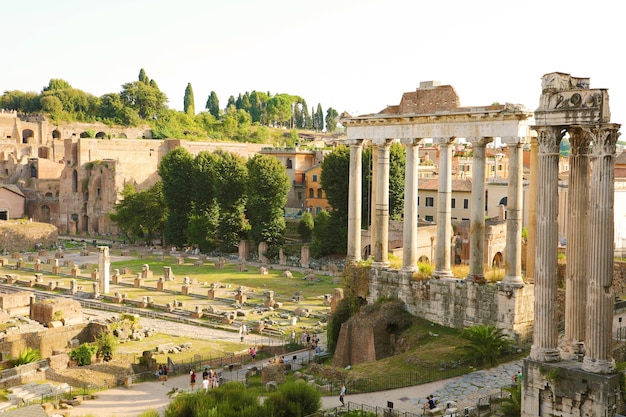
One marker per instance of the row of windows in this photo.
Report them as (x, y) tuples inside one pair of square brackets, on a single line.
[(430, 202)]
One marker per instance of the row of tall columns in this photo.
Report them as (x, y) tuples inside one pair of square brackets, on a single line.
[(380, 203), (477, 215), (589, 272)]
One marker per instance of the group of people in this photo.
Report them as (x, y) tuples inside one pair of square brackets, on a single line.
[(210, 379), (431, 403), (162, 373), (310, 341)]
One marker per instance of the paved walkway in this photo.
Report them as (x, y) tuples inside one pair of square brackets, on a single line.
[(464, 390)]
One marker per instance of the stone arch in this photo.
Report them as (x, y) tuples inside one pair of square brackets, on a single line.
[(101, 135), (27, 134), (423, 259), (498, 260), (367, 251), (503, 201), (48, 196), (84, 134), (319, 193), (311, 193), (33, 170), (123, 135), (85, 225), (56, 134)]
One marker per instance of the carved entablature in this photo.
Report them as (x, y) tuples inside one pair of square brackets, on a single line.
[(567, 100)]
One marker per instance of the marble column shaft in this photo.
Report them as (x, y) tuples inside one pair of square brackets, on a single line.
[(409, 235), (477, 224), (600, 297), (532, 212), (444, 208), (515, 197), (545, 333), (577, 241), (381, 245), (373, 194), (354, 201)]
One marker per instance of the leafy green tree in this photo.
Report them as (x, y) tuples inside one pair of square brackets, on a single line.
[(202, 225), (268, 185), (231, 177), (258, 102), (331, 120), (141, 215), (176, 171), (189, 105), (487, 343), (306, 226), (213, 105), (279, 109), (143, 77), (318, 119), (51, 104), (231, 102), (20, 101), (146, 99)]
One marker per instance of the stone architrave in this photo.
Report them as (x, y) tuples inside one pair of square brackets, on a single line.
[(104, 265), (305, 254)]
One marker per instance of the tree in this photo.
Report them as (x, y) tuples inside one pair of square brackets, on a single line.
[(146, 99), (397, 161), (279, 109), (202, 224), (231, 177), (306, 226), (189, 105), (318, 119), (486, 344), (335, 181), (105, 344), (331, 120), (141, 215), (175, 170), (268, 185), (213, 105)]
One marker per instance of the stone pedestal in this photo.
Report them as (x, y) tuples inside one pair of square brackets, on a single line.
[(56, 270), (138, 282), (564, 389), (161, 285), (185, 290), (75, 272)]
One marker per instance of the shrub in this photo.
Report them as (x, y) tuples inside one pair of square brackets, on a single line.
[(486, 344), (105, 344), (83, 354)]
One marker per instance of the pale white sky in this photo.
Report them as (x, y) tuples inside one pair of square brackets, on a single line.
[(352, 55)]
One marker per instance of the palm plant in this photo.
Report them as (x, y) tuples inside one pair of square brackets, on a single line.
[(512, 406), (486, 344), (28, 355)]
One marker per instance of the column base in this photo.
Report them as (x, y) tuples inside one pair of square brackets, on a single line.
[(380, 265), (514, 280), (410, 268), (443, 274), (598, 366), (545, 354), (572, 350)]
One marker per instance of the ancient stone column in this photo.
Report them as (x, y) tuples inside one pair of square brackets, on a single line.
[(409, 231), (381, 245), (532, 211), (444, 208), (545, 332), (514, 206), (477, 215), (600, 297), (373, 194), (354, 200), (577, 249), (104, 264)]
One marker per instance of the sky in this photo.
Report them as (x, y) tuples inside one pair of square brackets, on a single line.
[(352, 55)]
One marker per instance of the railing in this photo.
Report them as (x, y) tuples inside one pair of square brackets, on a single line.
[(364, 410)]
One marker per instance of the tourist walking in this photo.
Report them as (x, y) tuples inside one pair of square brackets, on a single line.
[(342, 393), (192, 379), (253, 354)]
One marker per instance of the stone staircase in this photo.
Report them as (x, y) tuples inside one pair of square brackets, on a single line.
[(24, 394)]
